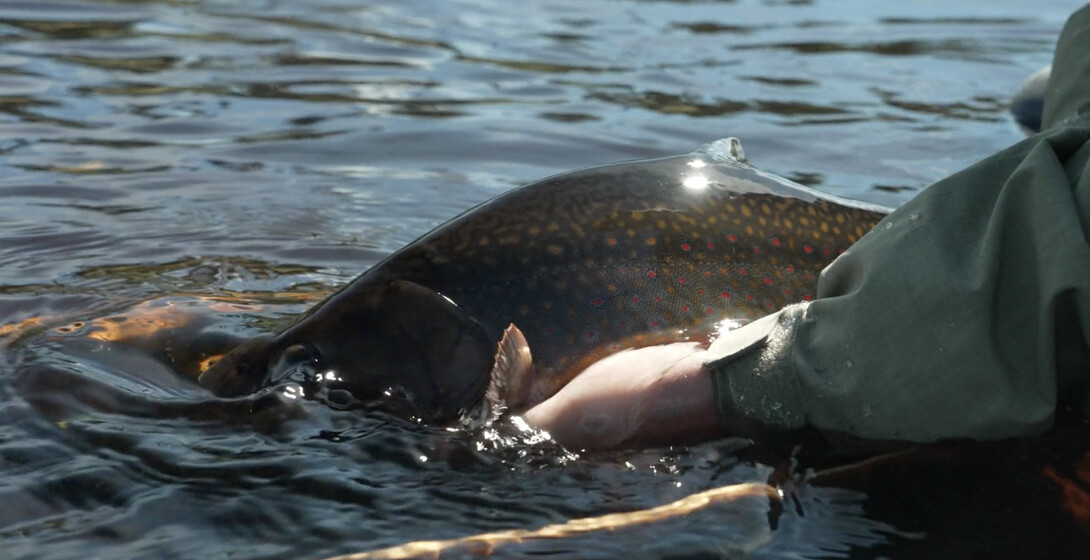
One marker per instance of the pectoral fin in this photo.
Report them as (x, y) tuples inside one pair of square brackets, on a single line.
[(512, 374)]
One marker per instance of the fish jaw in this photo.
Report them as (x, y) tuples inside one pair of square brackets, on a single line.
[(241, 371)]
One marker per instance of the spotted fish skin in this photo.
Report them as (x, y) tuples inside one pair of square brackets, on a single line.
[(592, 258), (592, 261)]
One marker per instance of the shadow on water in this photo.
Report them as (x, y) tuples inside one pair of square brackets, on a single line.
[(176, 174)]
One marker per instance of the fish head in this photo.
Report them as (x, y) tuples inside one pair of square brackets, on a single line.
[(397, 344)]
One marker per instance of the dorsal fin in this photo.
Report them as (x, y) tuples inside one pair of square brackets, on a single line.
[(512, 374)]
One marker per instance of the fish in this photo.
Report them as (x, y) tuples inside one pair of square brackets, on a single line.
[(586, 263)]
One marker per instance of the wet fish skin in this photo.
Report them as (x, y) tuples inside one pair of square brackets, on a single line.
[(585, 263)]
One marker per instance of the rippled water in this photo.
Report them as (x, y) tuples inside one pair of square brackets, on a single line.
[(265, 152)]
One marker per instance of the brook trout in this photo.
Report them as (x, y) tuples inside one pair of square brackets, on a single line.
[(585, 263)]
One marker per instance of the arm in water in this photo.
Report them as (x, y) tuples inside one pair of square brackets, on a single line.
[(961, 315)]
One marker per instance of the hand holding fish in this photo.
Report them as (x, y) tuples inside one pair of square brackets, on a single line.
[(656, 394)]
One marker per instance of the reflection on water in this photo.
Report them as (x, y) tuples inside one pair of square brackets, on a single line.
[(259, 153)]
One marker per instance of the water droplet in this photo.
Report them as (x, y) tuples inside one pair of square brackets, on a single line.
[(867, 410), (914, 216), (849, 364), (724, 150), (889, 225), (775, 406)]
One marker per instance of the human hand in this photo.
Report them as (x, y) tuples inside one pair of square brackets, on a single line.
[(652, 395)]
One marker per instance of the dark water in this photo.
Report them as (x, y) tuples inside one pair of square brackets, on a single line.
[(265, 152)]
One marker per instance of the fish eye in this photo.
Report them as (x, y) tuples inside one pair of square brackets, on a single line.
[(298, 362), (299, 353)]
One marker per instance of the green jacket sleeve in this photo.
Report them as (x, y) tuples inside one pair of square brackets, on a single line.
[(962, 314)]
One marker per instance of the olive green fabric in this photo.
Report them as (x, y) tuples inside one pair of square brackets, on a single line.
[(962, 314)]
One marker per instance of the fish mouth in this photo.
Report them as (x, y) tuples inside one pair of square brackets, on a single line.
[(222, 378), (240, 371)]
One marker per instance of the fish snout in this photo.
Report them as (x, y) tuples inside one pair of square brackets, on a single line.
[(242, 371)]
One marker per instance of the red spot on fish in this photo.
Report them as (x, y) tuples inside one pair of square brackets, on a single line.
[(725, 295), (767, 281), (806, 297), (711, 245), (708, 274), (826, 250), (680, 280), (701, 292), (841, 251), (658, 299), (756, 250), (787, 291), (809, 276), (651, 273), (597, 302), (655, 324), (684, 307), (612, 241), (686, 247), (791, 268), (624, 271), (808, 248), (708, 311), (624, 324), (776, 241), (493, 314), (742, 271), (590, 335), (550, 330), (749, 297), (732, 237), (635, 300)]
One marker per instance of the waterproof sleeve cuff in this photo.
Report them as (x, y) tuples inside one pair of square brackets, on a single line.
[(754, 376)]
